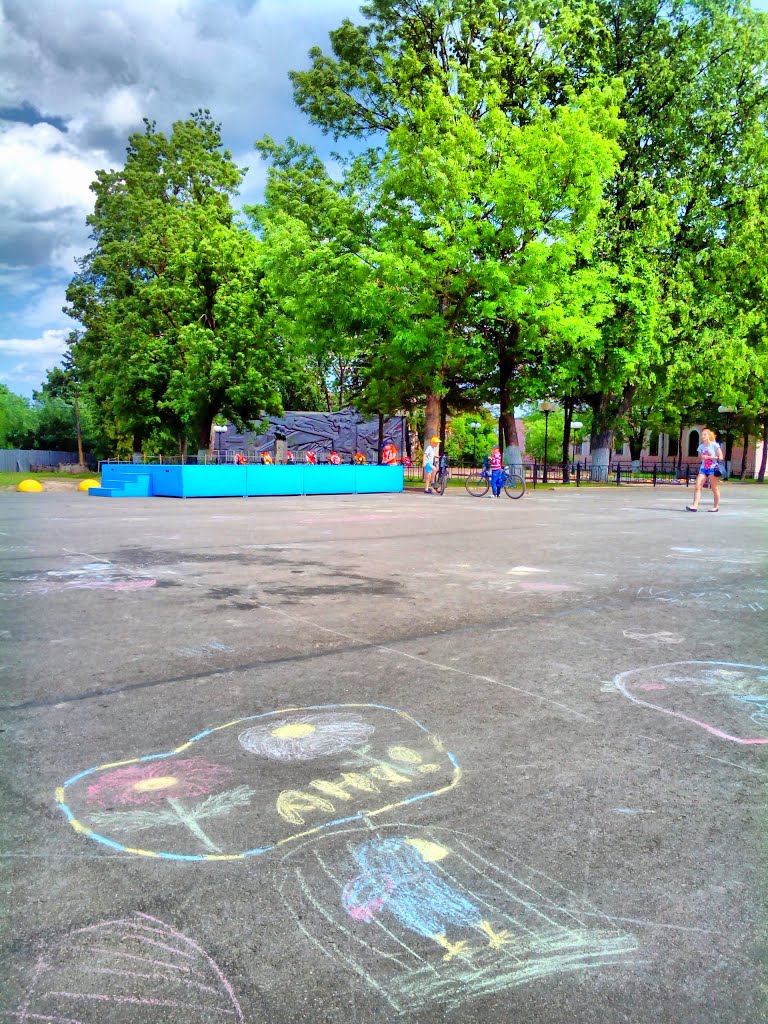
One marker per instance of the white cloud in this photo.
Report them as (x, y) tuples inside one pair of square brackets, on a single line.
[(50, 343), (97, 74), (38, 355)]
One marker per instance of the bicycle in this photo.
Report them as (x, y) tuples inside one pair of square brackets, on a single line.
[(478, 484), (441, 477)]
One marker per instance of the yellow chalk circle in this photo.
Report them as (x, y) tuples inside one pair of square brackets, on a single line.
[(293, 731), (84, 485), (30, 486)]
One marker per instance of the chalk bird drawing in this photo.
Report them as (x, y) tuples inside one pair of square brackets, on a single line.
[(397, 879), (425, 916), (726, 699), (136, 970), (265, 780)]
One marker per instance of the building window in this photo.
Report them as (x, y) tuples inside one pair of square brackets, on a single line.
[(674, 448), (693, 443), (655, 444)]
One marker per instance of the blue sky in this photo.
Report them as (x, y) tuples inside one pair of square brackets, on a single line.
[(77, 77)]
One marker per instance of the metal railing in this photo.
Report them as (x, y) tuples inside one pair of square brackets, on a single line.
[(578, 473)]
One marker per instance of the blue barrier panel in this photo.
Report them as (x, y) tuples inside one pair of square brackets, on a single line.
[(174, 481), (329, 479), (379, 479), (263, 480)]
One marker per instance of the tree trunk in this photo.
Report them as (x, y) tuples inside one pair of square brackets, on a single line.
[(431, 418), (509, 441), (605, 413), (443, 421), (744, 450), (764, 457), (601, 438), (79, 432), (728, 446), (568, 416), (636, 441)]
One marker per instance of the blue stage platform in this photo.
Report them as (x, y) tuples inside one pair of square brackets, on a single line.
[(124, 480)]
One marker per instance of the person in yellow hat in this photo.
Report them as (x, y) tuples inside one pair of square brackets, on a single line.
[(429, 462)]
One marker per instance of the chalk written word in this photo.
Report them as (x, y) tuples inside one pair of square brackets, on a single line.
[(427, 917), (134, 968), (401, 769), (726, 699), (254, 784)]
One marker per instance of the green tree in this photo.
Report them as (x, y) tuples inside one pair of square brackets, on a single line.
[(176, 328), (17, 420), (693, 139), (484, 193)]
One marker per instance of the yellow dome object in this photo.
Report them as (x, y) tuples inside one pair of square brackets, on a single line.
[(85, 485), (30, 486)]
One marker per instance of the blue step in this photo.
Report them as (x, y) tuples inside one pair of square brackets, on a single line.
[(135, 485)]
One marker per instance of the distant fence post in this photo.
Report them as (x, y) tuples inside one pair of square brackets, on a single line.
[(654, 476), (578, 474), (618, 473), (535, 474), (687, 475)]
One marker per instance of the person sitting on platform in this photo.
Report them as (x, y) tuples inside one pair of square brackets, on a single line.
[(334, 459), (311, 458)]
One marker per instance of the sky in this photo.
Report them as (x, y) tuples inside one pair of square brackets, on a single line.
[(77, 77)]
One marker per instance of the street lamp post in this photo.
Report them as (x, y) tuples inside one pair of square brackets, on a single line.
[(474, 426), (546, 408), (728, 410), (219, 429), (575, 426)]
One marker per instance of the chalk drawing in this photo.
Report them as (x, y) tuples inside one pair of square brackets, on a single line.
[(158, 791), (135, 969), (290, 774), (745, 598), (662, 637), (728, 700), (305, 737), (204, 650), (93, 576), (426, 917)]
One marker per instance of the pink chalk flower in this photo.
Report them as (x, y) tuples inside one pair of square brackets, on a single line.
[(153, 783)]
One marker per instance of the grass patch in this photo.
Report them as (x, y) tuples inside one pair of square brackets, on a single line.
[(14, 479)]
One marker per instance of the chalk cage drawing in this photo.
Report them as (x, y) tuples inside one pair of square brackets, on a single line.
[(135, 968), (424, 915), (265, 780), (733, 694)]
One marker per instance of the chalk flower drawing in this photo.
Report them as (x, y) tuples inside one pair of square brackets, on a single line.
[(316, 767), (425, 916), (134, 969), (719, 697), (166, 785), (306, 737)]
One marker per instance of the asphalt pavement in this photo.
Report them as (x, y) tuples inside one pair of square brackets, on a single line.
[(385, 758)]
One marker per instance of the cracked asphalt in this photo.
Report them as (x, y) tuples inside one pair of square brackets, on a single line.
[(385, 758)]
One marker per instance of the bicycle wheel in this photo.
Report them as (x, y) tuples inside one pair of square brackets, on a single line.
[(477, 485), (514, 485), (441, 482)]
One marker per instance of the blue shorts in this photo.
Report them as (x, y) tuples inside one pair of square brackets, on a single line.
[(707, 472), (428, 467)]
